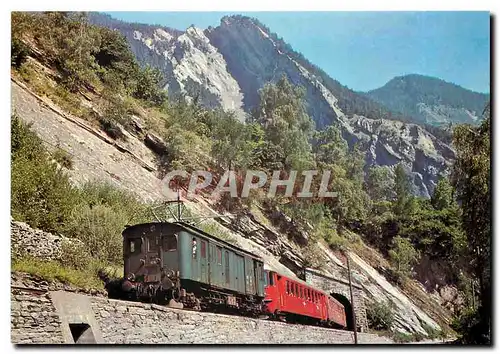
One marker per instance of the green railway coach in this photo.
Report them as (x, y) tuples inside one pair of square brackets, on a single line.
[(181, 262)]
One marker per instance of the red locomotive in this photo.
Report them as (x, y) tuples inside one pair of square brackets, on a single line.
[(296, 302)]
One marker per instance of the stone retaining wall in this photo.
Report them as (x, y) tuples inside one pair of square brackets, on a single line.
[(27, 241), (34, 318), (43, 317)]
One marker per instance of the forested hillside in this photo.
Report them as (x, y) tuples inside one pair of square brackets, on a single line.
[(429, 100)]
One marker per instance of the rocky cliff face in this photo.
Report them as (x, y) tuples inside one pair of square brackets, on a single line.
[(190, 64), (227, 65), (390, 142)]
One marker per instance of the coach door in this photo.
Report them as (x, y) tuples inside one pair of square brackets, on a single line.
[(211, 263), (249, 276), (239, 265), (204, 261)]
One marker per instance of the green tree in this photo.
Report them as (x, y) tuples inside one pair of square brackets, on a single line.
[(404, 203), (288, 128), (148, 86), (442, 197), (471, 177), (403, 255), (379, 183), (329, 146)]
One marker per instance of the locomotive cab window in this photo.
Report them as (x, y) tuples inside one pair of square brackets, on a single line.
[(134, 245), (170, 242), (153, 243)]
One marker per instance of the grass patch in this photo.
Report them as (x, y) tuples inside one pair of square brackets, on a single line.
[(54, 271), (400, 337)]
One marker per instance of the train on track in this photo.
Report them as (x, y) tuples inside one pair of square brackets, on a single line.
[(179, 265)]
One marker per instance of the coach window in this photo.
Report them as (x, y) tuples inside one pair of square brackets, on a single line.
[(203, 250), (296, 290), (170, 242), (271, 278), (195, 247), (219, 256)]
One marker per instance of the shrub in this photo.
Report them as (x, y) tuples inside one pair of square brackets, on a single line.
[(333, 239), (432, 333), (313, 256), (63, 158), (75, 255), (380, 316), (41, 193), (400, 337), (101, 217), (18, 53)]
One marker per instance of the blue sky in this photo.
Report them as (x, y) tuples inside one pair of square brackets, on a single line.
[(364, 50)]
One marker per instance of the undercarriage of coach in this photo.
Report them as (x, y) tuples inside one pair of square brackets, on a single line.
[(171, 291)]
